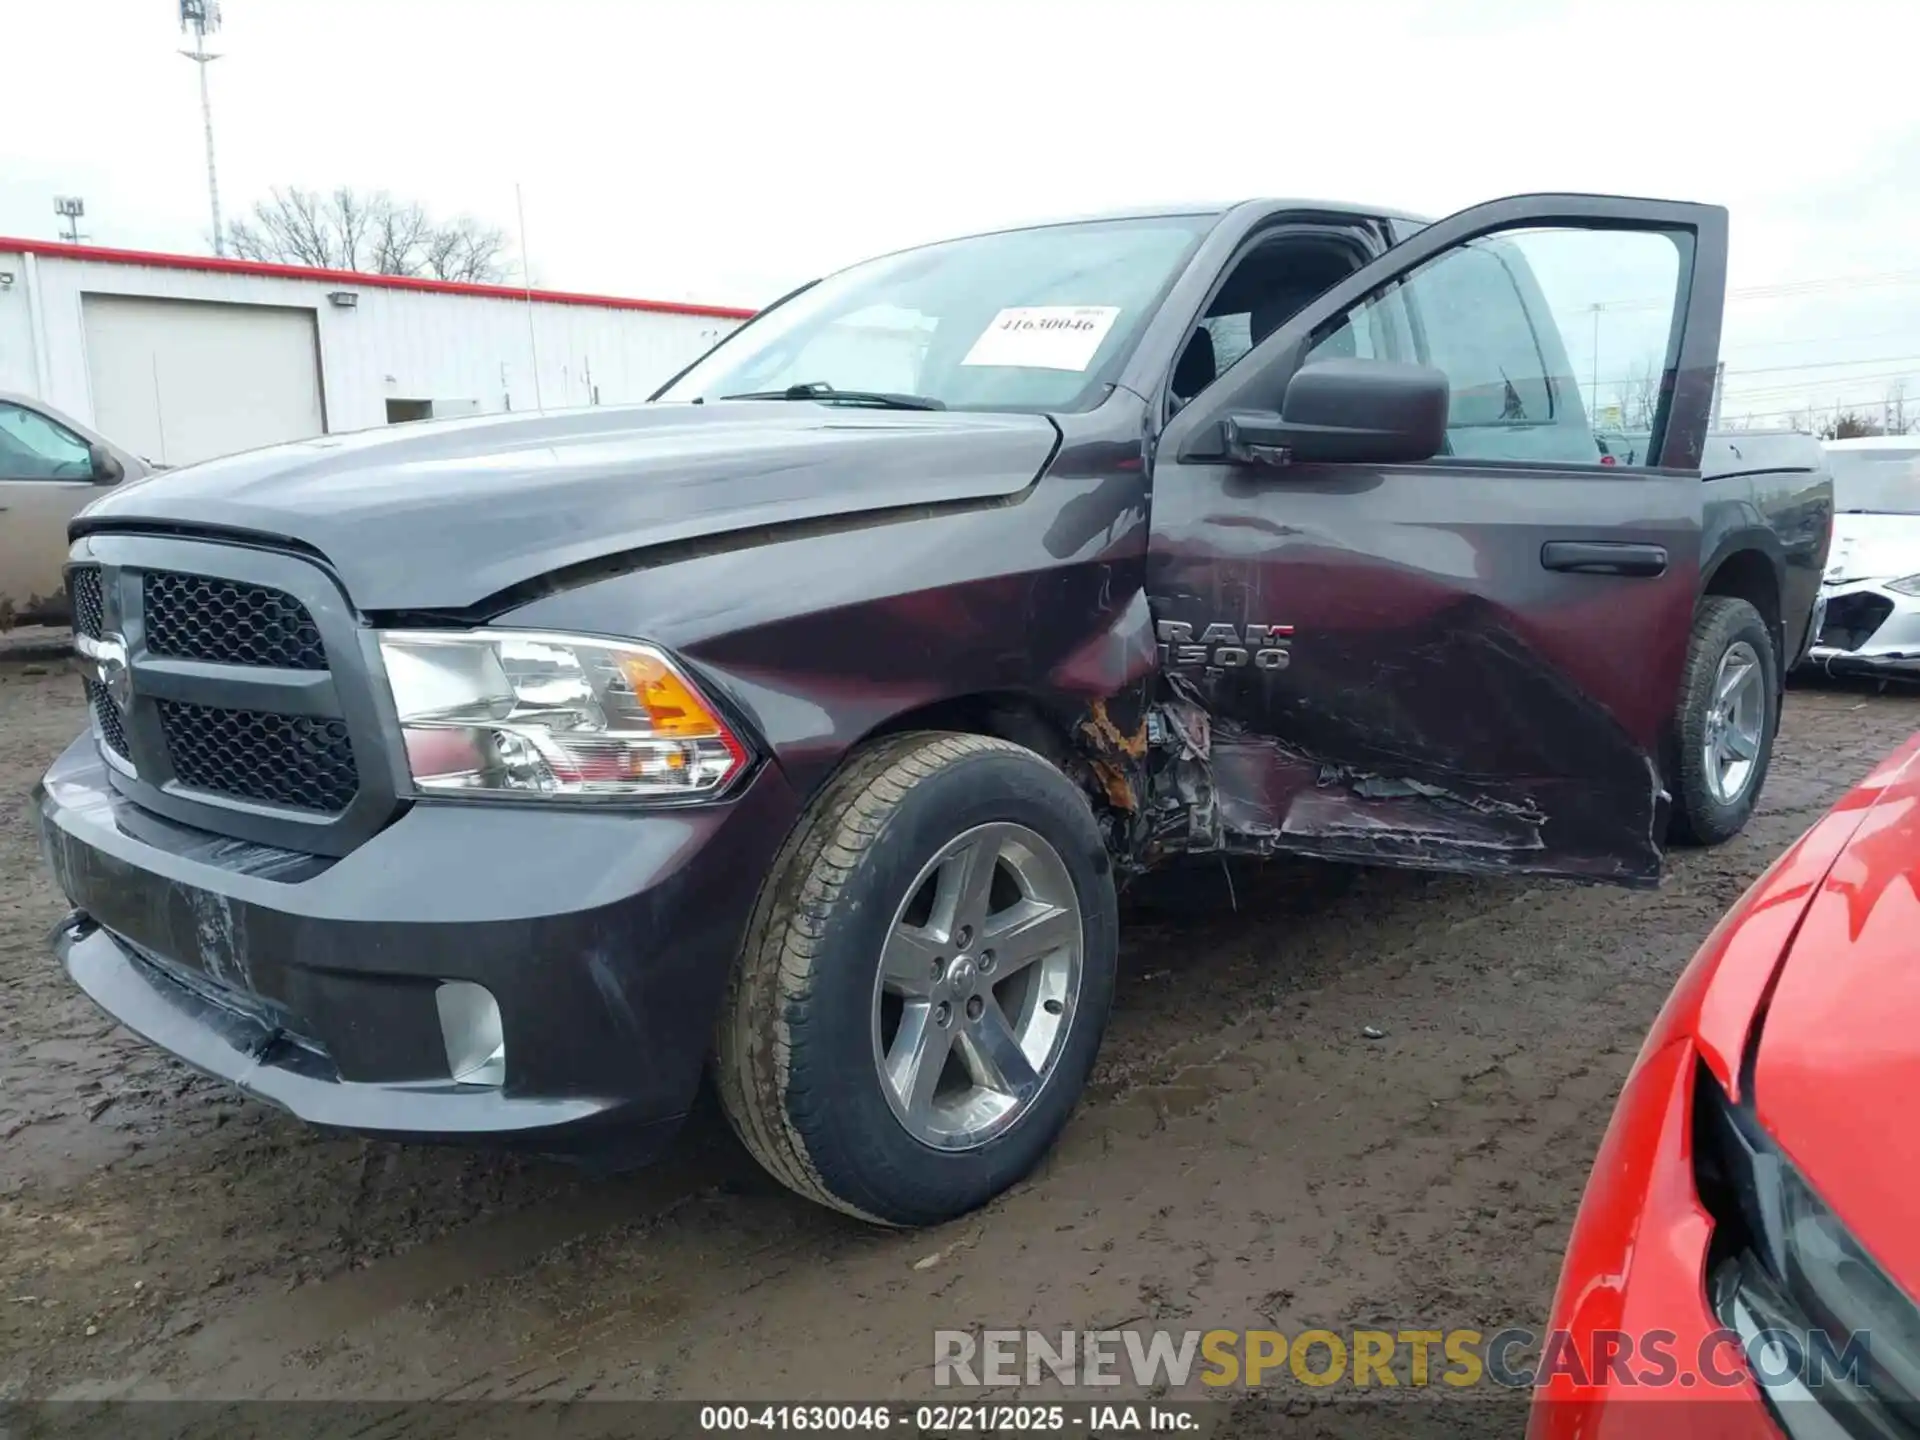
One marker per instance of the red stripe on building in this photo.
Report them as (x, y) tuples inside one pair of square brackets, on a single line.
[(59, 249)]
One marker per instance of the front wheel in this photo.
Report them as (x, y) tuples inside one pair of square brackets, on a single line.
[(924, 982), (1726, 719)]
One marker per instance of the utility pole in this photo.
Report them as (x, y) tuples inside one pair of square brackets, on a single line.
[(1719, 381), (70, 208), (200, 16), (1594, 416)]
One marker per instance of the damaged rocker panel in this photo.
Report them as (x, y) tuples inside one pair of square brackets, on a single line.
[(1217, 788)]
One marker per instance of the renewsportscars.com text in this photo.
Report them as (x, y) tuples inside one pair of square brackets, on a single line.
[(1513, 1358)]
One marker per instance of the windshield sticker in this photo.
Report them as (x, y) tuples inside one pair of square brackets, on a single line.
[(1044, 337)]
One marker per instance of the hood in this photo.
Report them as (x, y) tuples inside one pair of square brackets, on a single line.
[(1838, 1067), (1873, 547), (443, 514)]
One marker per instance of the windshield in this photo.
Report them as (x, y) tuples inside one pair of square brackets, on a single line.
[(1876, 482), (1029, 320)]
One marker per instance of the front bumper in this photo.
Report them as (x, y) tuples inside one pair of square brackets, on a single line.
[(1867, 629), (603, 937)]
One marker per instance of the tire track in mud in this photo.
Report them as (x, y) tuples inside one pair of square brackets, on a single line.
[(1245, 1157)]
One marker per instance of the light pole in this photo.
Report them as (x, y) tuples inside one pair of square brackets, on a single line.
[(70, 208), (200, 16), (1597, 308)]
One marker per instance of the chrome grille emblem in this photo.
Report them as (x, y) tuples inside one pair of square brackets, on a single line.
[(109, 657)]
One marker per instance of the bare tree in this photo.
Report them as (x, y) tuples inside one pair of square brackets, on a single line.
[(1850, 425), (1639, 397), (371, 233), (466, 250), (400, 234), (294, 227)]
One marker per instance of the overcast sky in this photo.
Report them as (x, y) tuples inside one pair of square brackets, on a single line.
[(724, 150)]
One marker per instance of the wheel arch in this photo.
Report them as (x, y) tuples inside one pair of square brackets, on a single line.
[(1749, 569), (1014, 715), (1105, 757)]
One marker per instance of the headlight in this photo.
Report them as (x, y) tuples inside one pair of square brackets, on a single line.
[(1788, 1266), (495, 712), (1906, 585)]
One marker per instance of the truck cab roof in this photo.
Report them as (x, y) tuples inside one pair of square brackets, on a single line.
[(1218, 208)]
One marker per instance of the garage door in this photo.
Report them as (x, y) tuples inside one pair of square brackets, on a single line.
[(185, 380)]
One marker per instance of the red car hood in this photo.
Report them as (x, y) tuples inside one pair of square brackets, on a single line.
[(1837, 1078)]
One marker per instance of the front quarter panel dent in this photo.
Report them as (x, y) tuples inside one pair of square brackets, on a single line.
[(1112, 674)]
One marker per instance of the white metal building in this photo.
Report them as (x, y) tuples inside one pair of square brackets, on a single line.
[(181, 358)]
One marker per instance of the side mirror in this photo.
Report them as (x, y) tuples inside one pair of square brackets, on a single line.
[(1348, 412), (106, 469)]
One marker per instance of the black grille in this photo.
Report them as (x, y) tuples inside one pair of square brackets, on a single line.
[(1852, 619), (279, 759), (195, 617), (106, 714), (83, 589)]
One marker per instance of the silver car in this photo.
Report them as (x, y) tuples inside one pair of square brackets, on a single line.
[(1872, 585), (50, 466)]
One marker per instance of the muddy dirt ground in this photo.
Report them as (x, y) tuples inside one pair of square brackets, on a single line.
[(1246, 1159)]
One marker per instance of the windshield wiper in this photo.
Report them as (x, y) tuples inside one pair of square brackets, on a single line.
[(823, 392)]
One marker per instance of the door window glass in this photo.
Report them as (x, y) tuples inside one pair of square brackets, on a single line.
[(1544, 336), (32, 447), (1365, 334), (1263, 289)]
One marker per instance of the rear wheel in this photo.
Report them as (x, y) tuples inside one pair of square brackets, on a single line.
[(1725, 723), (924, 982)]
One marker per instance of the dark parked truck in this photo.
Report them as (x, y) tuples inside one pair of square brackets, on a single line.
[(492, 779)]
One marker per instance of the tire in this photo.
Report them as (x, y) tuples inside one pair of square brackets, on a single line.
[(802, 1035), (1707, 810)]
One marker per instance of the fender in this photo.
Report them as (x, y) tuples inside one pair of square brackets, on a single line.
[(1717, 550), (823, 636), (1783, 518)]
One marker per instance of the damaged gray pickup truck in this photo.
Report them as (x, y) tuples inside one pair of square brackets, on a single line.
[(492, 780)]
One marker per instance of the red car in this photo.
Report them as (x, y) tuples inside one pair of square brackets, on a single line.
[(1746, 1260)]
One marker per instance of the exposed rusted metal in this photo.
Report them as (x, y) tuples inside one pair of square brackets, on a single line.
[(1116, 756), (1115, 785), (1109, 738)]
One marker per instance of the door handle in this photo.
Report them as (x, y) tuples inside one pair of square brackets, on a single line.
[(1604, 557)]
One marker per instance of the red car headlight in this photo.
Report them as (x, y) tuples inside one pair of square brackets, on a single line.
[(1789, 1277)]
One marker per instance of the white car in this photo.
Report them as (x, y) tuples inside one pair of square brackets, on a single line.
[(1872, 585)]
